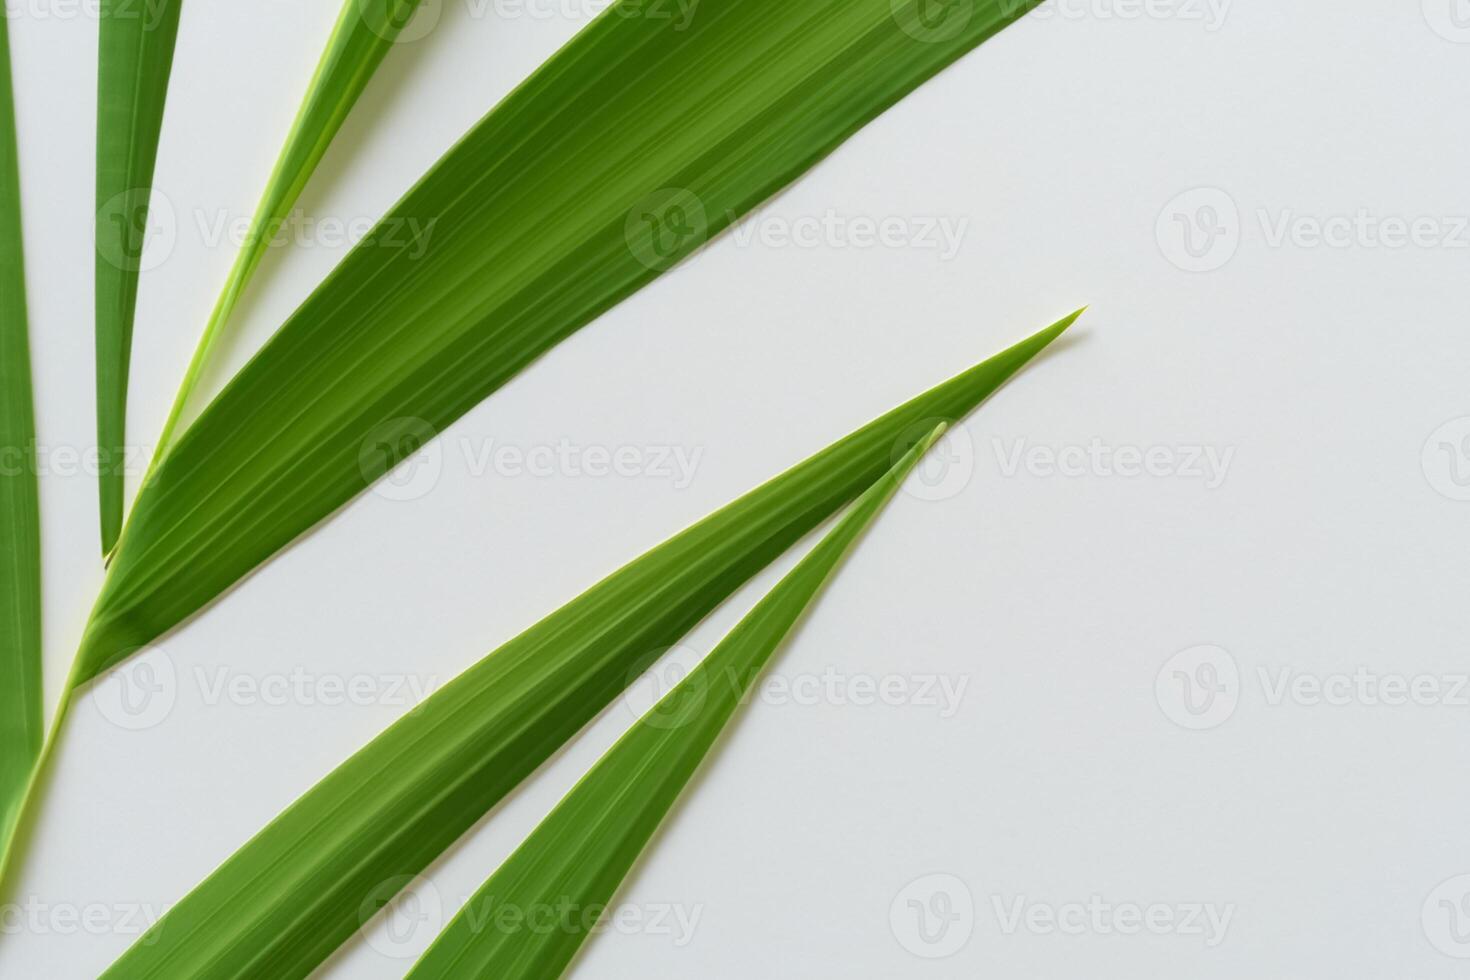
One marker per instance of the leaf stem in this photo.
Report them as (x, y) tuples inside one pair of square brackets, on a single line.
[(353, 52), (19, 830), (245, 262)]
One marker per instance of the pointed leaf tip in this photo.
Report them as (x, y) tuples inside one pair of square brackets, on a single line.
[(929, 441), (581, 853), (296, 890), (1039, 341), (1060, 327)]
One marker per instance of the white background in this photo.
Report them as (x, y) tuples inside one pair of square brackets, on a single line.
[(1072, 769)]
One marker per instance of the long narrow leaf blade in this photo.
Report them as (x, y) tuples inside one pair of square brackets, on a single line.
[(641, 138), (134, 56), (577, 857), (364, 33), (296, 891), (20, 555)]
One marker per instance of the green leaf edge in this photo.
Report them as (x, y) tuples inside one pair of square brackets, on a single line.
[(169, 568), (578, 857), (135, 51), (21, 710), (609, 634), (352, 55)]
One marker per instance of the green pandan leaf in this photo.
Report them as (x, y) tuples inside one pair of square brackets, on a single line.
[(20, 532), (640, 139), (573, 863), (307, 882), (135, 55), (362, 37)]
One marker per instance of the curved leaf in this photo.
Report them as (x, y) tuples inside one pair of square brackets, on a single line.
[(574, 861), (20, 554), (135, 56), (364, 32), (641, 138), (312, 877)]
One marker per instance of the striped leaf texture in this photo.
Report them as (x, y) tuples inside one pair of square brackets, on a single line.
[(20, 540), (573, 863), (364, 33), (316, 874), (134, 57), (639, 140)]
